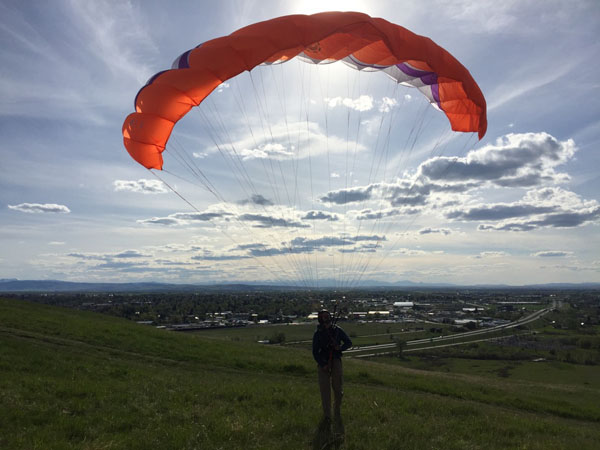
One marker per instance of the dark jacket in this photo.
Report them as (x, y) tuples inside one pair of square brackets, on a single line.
[(325, 339)]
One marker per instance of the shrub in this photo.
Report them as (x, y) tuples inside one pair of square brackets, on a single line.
[(277, 338)]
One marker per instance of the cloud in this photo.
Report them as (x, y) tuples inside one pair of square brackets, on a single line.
[(320, 215), (522, 83), (168, 262), (410, 252), (259, 220), (109, 49), (387, 104), (444, 231), (332, 241), (168, 274), (120, 265), (324, 241), (499, 211), (484, 16), (264, 151), (115, 35), (513, 17), (141, 185), (363, 237), (561, 220), (269, 251), (491, 254), (569, 219), (126, 254), (367, 248), (87, 256), (40, 208), (362, 103), (515, 160), (545, 207), (308, 140), (551, 254), (249, 246), (369, 214), (179, 219), (137, 262), (129, 254), (409, 192), (343, 196), (260, 249), (222, 86), (256, 199), (514, 226), (212, 257), (56, 243), (168, 221), (264, 221), (309, 245), (131, 261), (201, 216)]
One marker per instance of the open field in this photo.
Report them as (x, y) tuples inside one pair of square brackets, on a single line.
[(368, 333), (553, 372), (72, 379)]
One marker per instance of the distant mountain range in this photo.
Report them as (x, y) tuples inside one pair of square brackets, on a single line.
[(15, 285)]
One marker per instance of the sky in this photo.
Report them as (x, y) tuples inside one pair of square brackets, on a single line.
[(305, 174)]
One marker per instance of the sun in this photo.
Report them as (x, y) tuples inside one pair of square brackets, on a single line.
[(315, 6)]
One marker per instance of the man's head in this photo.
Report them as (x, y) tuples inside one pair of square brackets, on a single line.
[(324, 317)]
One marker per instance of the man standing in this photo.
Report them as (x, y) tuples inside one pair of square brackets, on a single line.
[(329, 341)]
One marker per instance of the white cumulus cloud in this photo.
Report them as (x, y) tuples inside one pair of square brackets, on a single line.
[(142, 185), (552, 254), (362, 103), (387, 104), (40, 208), (514, 160), (271, 150), (222, 86)]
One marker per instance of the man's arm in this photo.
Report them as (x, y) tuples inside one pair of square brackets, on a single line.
[(315, 348), (345, 339)]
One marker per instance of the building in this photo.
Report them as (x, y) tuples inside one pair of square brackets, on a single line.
[(403, 305)]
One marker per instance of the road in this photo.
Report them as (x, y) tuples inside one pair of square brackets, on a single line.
[(442, 341)]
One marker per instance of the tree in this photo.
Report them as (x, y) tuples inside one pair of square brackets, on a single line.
[(400, 346)]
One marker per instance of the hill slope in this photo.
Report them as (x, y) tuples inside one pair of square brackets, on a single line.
[(71, 379)]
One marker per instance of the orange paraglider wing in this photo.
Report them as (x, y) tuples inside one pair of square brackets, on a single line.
[(357, 39)]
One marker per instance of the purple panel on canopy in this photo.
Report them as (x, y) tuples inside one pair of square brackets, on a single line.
[(149, 82), (425, 76), (184, 61), (429, 78), (435, 91), (359, 63), (411, 70)]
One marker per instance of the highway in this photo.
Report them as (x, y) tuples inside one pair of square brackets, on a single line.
[(450, 340)]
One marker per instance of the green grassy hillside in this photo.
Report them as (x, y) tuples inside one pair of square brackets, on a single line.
[(71, 379)]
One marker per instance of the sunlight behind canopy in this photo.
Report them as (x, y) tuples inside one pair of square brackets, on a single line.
[(309, 163)]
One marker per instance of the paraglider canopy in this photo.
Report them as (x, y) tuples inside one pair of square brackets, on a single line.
[(281, 199), (355, 38)]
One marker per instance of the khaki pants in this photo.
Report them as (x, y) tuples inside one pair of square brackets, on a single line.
[(328, 381)]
